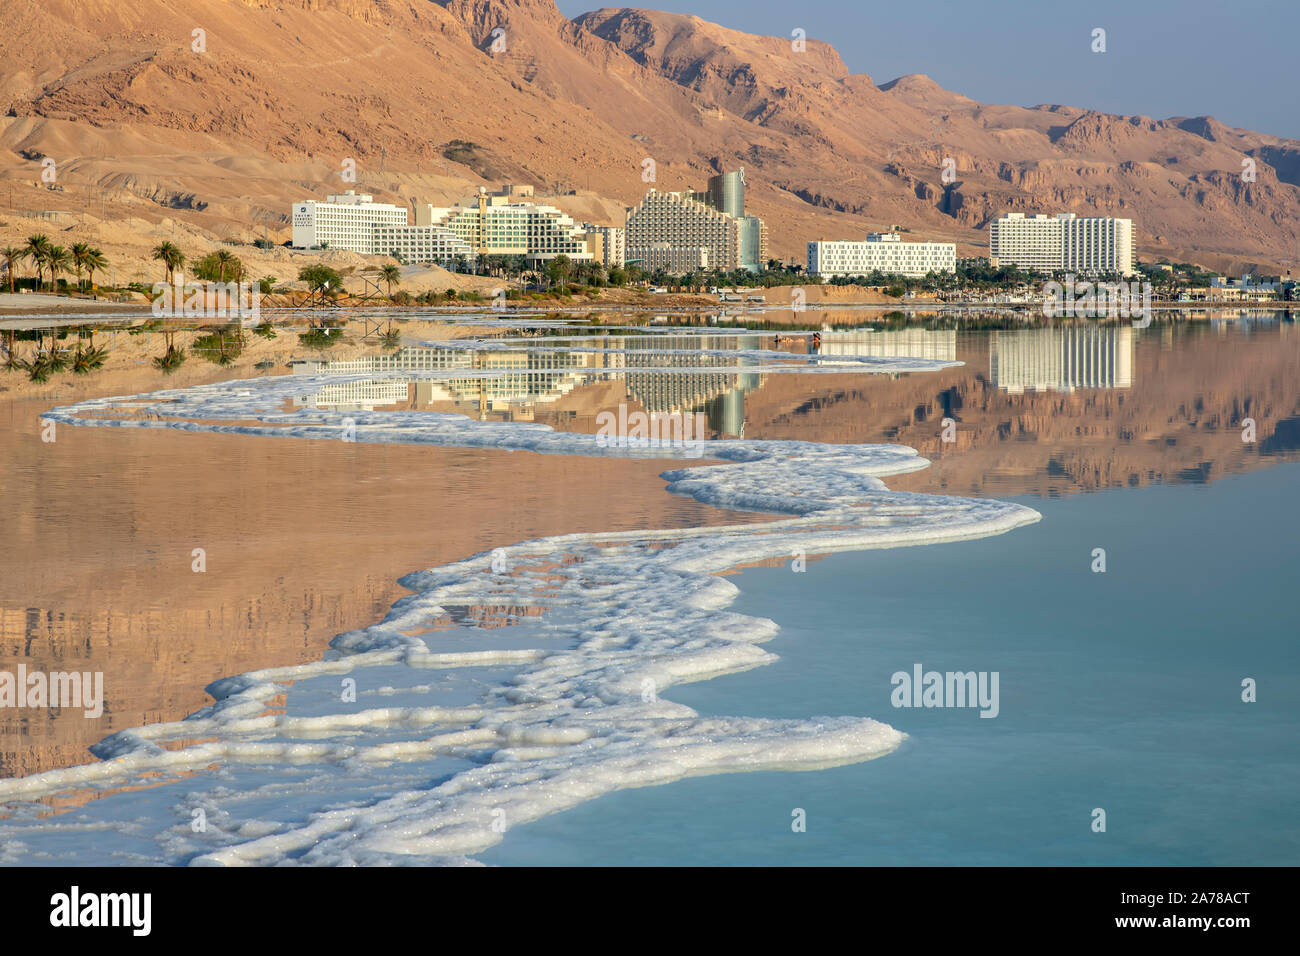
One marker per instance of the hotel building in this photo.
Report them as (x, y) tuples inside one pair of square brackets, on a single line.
[(607, 244), (885, 252), (493, 225), (496, 224), (675, 260), (420, 244), (713, 220), (1062, 243), (343, 222)]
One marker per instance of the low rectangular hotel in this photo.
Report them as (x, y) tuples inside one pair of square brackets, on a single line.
[(885, 252)]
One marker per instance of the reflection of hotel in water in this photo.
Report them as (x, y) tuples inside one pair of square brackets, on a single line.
[(1061, 360), (525, 377), (521, 380), (720, 395), (939, 344)]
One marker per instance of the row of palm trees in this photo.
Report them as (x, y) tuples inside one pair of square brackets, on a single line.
[(50, 259), (221, 264)]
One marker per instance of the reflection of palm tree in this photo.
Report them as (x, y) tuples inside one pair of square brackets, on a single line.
[(172, 359), (11, 351), (223, 357), (88, 359), (56, 362)]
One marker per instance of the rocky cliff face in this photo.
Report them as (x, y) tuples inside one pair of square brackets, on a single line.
[(247, 105)]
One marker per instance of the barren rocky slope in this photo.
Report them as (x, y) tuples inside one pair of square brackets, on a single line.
[(223, 128)]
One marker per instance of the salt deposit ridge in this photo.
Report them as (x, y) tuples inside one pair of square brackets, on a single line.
[(518, 722)]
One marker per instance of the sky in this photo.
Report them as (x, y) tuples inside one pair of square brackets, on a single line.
[(1237, 61)]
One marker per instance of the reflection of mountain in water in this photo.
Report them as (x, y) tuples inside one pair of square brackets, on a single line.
[(1061, 360), (1181, 405), (1285, 438)]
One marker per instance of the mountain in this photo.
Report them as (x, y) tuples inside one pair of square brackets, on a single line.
[(144, 116)]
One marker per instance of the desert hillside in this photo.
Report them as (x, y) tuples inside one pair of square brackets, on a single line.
[(217, 114)]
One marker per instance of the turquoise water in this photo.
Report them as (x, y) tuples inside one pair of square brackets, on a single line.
[(1119, 690)]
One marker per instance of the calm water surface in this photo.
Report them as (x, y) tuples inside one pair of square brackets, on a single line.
[(1118, 690)]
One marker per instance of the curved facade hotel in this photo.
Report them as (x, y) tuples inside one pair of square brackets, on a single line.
[(1062, 243), (881, 251), (493, 225), (484, 225), (420, 244)]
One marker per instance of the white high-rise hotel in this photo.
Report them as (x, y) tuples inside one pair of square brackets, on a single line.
[(1062, 243)]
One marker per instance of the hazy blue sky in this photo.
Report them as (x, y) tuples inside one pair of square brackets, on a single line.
[(1238, 62)]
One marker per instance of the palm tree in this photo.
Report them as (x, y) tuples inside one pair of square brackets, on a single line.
[(515, 266), (225, 260), (171, 258), (93, 262), (79, 253), (57, 259), (36, 246), (391, 274), (13, 255)]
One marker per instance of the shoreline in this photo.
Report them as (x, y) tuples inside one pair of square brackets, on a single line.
[(778, 298), (269, 551), (698, 640), (274, 591), (454, 585), (903, 785)]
